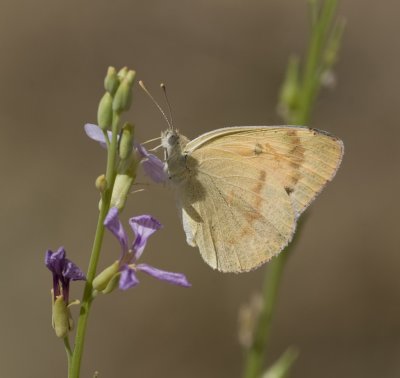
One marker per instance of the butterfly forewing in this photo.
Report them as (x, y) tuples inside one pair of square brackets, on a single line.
[(303, 159)]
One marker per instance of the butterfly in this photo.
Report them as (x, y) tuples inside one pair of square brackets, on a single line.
[(242, 189)]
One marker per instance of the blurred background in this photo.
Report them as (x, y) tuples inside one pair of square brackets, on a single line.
[(223, 62)]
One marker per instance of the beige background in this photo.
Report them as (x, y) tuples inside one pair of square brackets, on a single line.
[(223, 62)]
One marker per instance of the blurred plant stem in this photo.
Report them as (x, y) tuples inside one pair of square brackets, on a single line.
[(297, 98)]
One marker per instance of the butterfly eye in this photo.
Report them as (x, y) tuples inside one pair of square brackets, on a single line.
[(172, 139)]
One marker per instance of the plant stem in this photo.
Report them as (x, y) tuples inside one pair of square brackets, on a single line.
[(68, 351), (272, 280), (257, 350), (87, 298), (312, 72), (307, 93)]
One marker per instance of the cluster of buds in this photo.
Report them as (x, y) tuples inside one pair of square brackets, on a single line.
[(117, 99), (118, 96), (301, 82)]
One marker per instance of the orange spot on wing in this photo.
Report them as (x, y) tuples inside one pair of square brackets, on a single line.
[(252, 216)]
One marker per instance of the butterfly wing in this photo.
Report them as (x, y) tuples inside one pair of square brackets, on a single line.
[(246, 186), (303, 159)]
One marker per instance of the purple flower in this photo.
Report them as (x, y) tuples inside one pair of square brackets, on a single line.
[(143, 227), (152, 165), (63, 271)]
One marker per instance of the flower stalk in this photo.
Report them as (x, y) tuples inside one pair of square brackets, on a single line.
[(123, 159), (87, 298)]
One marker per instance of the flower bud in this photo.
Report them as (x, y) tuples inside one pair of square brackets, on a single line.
[(105, 112), (130, 77), (103, 279), (123, 96), (290, 87), (126, 175), (101, 183), (122, 73), (112, 284), (249, 315), (126, 141), (111, 81), (122, 186), (61, 317), (334, 43), (281, 368)]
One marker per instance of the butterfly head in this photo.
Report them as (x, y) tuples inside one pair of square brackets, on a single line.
[(170, 141)]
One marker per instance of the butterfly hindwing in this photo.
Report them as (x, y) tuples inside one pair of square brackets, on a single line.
[(233, 221)]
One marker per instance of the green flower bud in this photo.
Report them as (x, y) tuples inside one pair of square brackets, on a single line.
[(61, 317), (101, 183), (123, 96), (102, 280), (111, 81), (122, 185), (334, 43), (112, 284), (126, 175), (130, 77), (126, 141), (122, 73), (281, 368), (104, 112), (290, 87)]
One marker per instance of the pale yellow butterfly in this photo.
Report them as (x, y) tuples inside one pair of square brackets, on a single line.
[(242, 189)]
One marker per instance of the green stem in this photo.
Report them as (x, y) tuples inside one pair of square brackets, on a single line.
[(68, 351), (87, 298), (311, 76), (257, 350)]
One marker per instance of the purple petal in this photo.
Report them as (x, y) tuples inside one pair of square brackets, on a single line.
[(95, 133), (143, 226), (128, 278), (72, 272), (55, 261), (114, 225), (173, 278), (63, 271), (152, 165), (155, 169), (141, 150)]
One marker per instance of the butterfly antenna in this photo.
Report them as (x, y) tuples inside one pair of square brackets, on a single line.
[(156, 104), (155, 148), (164, 88), (151, 140)]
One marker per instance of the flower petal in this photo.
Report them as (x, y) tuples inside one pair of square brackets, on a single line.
[(114, 225), (173, 278), (152, 165), (128, 278), (143, 226), (55, 261), (155, 169), (72, 272), (95, 133)]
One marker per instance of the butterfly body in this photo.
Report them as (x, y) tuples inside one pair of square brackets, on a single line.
[(241, 189)]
